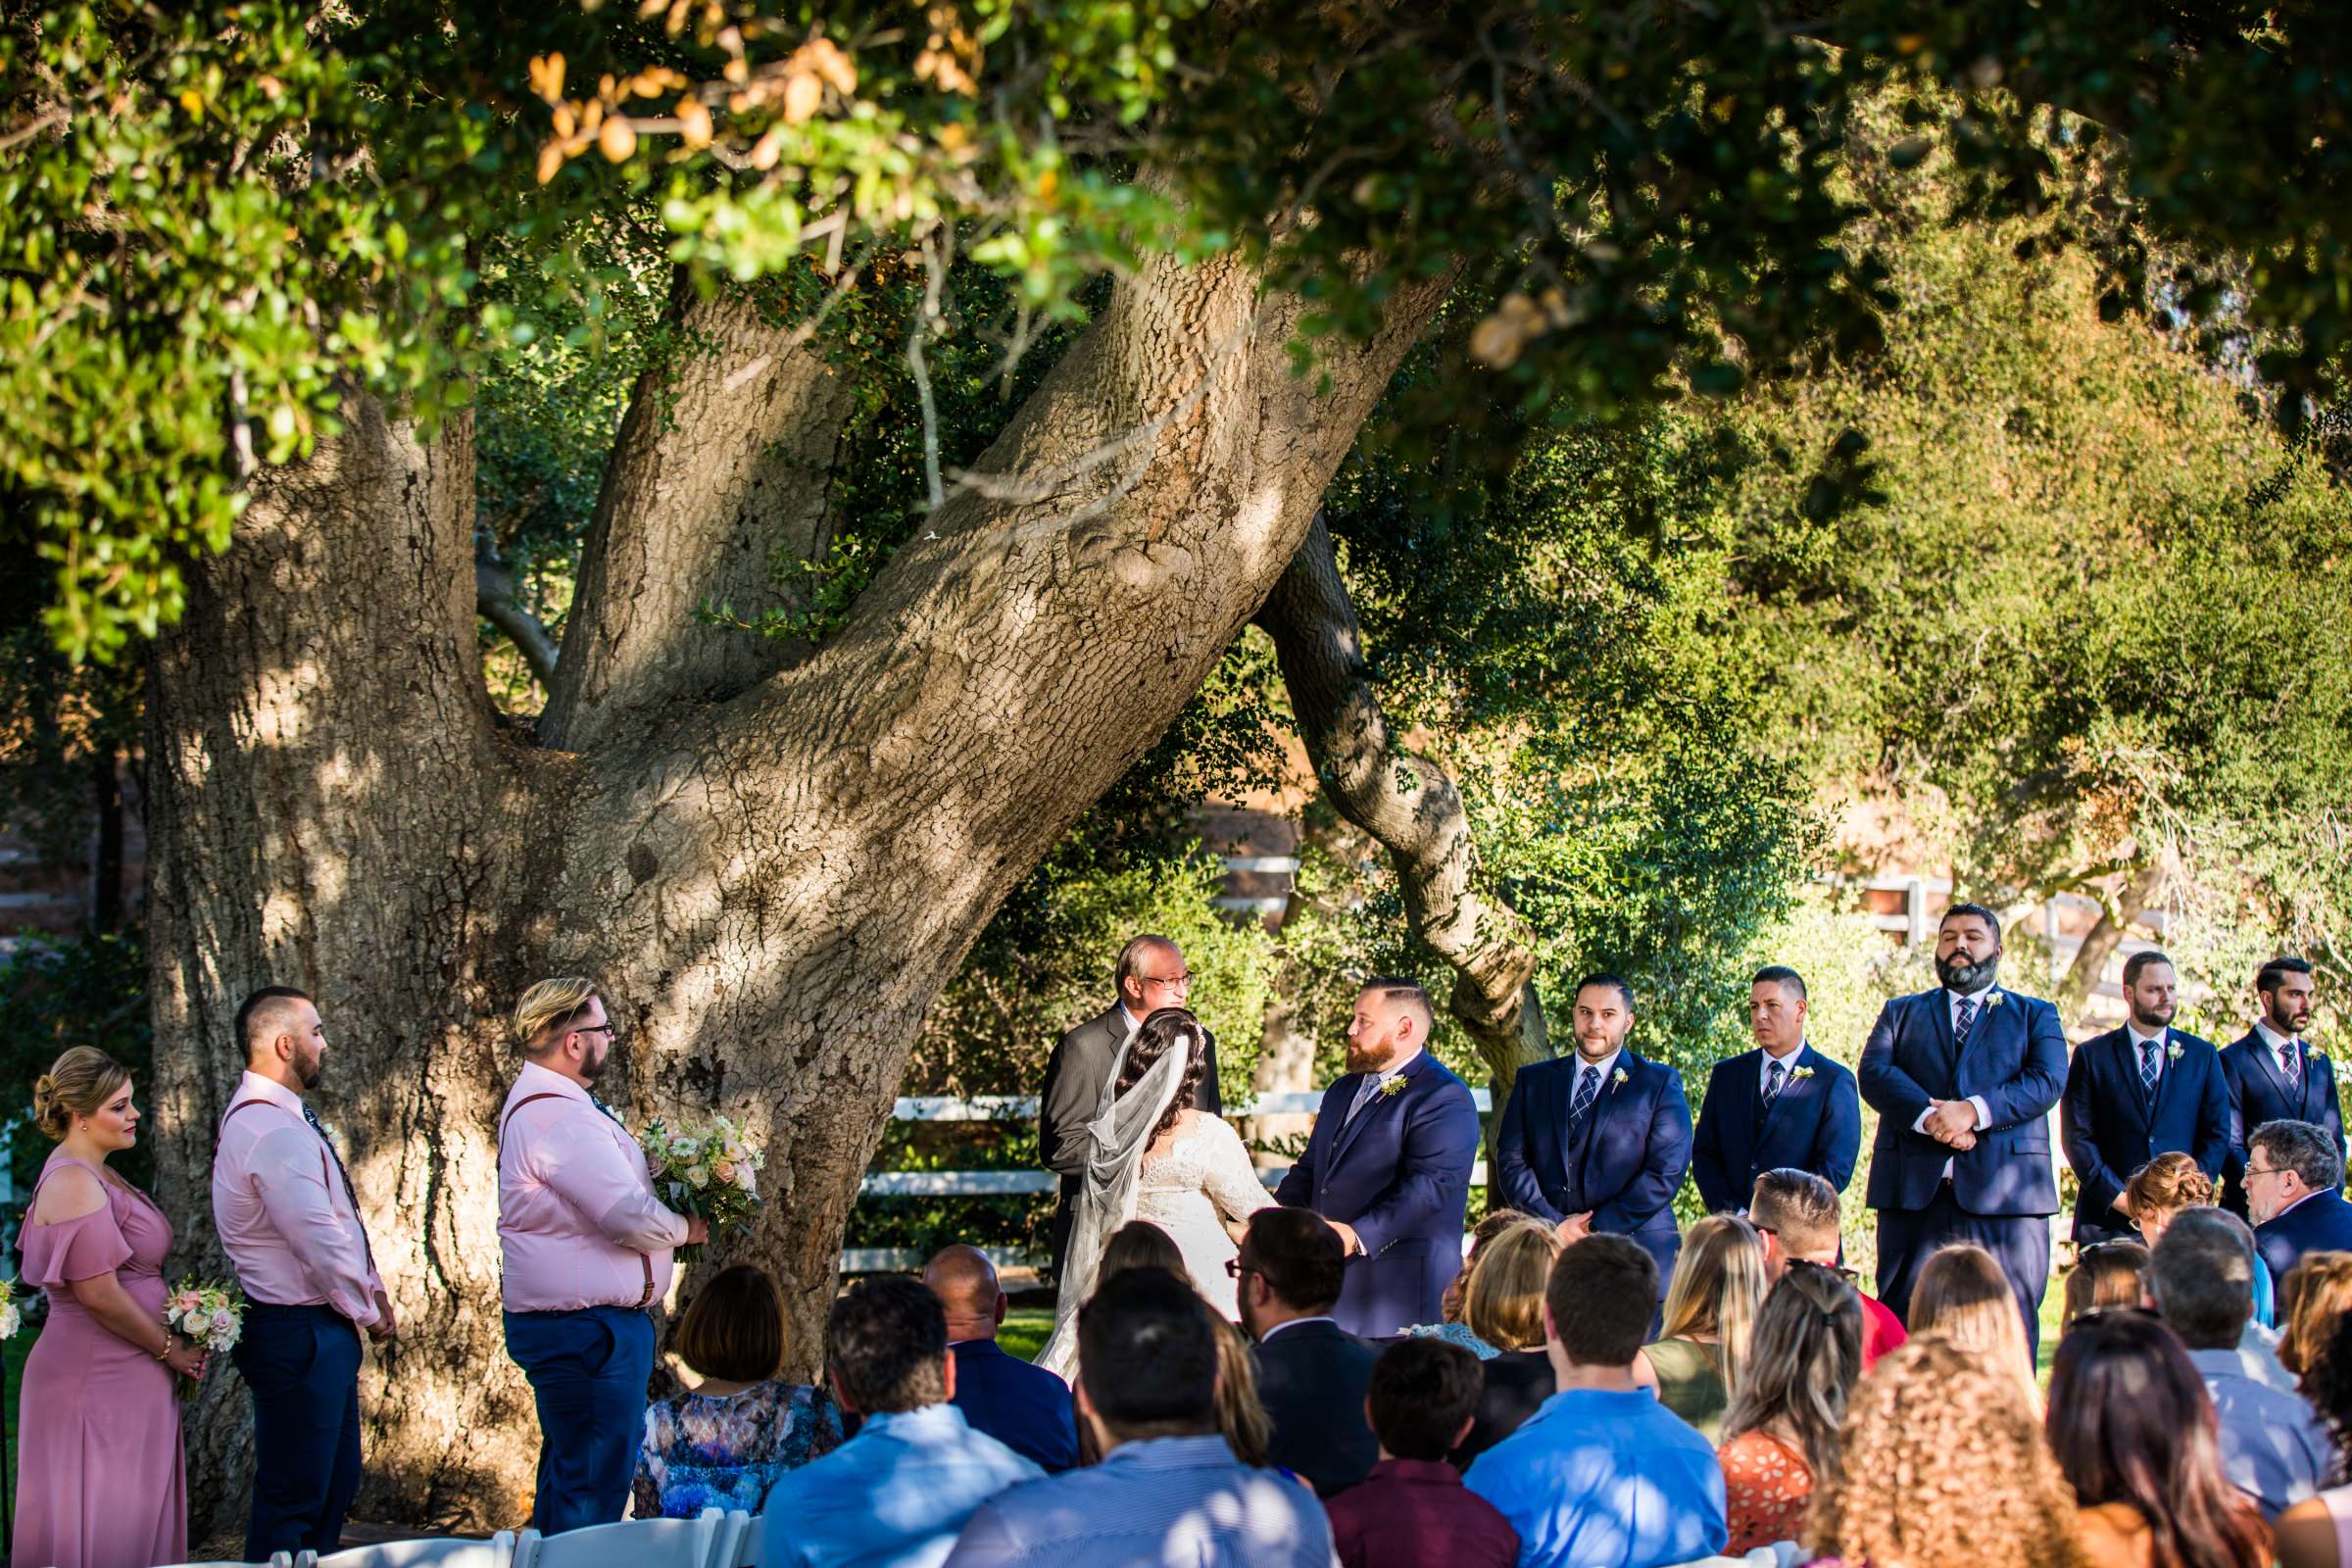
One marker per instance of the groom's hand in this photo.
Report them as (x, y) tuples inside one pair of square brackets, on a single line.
[(1349, 1243), (1575, 1227)]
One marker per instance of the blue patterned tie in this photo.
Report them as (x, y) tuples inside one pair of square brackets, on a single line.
[(1964, 1022), (1588, 1083), (366, 1249), (2147, 1065), (1775, 1081), (2290, 1062), (608, 1110)]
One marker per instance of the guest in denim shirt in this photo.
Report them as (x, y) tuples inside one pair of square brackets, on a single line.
[(895, 1494), (723, 1443)]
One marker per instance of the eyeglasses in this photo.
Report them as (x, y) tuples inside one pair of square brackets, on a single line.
[(2253, 1171), (1180, 980), (594, 1029), (1234, 1269)]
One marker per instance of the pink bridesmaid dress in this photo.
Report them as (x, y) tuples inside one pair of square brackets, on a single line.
[(100, 1479)]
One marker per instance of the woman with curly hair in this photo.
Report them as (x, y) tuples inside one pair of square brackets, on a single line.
[(1711, 1311), (1781, 1432), (1944, 1467), (2135, 1435), (2317, 1532), (2173, 1184), (1964, 1297), (2315, 1293)]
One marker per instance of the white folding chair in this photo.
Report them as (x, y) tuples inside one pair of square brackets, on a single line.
[(433, 1551), (743, 1544), (631, 1544), (282, 1559)]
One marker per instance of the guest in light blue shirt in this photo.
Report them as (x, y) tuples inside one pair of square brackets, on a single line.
[(895, 1494), (1602, 1475), (1168, 1490)]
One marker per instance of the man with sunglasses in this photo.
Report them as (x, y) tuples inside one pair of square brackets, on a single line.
[(1149, 975), (587, 1248)]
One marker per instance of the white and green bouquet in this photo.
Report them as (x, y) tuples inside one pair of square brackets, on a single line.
[(12, 1316), (711, 1171)]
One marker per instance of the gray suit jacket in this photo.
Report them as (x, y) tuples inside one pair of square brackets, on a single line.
[(1074, 1078)]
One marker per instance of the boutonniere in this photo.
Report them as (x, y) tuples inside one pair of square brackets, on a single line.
[(1394, 1085), (1800, 1072), (1994, 1000), (2172, 1051), (1618, 1077)]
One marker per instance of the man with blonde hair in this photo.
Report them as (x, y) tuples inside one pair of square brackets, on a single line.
[(1797, 1215), (587, 1248)]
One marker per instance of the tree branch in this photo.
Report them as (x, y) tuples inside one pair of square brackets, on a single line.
[(721, 465), (2105, 935), (1410, 805), (495, 597)]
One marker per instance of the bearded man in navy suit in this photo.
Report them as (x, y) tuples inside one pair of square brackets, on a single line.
[(1598, 1142), (1780, 1107), (1963, 1079), (1388, 1164), (2274, 1075), (2134, 1093)]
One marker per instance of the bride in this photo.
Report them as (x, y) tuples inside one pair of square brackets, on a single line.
[(1153, 1156)]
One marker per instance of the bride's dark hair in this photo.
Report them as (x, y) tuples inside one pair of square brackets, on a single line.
[(1168, 1029)]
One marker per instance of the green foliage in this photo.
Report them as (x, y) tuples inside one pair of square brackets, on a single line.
[(57, 992)]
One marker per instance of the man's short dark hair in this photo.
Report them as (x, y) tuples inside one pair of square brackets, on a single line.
[(2202, 1276), (259, 1009), (1780, 974), (1797, 1206), (1299, 1257), (1422, 1392), (1148, 1355), (1405, 991), (2302, 1146), (1600, 1296), (2138, 964), (886, 1339), (1990, 919), (1625, 989), (2273, 974)]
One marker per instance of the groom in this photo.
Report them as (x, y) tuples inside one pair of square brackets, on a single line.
[(1387, 1165)]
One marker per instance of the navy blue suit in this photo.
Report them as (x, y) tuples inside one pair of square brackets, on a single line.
[(2002, 1191), (2110, 1124), (1815, 1125), (2258, 1093), (1626, 1161), (1026, 1407), (2321, 1223), (1400, 1174)]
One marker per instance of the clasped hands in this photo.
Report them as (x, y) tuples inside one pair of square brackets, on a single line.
[(1951, 1122)]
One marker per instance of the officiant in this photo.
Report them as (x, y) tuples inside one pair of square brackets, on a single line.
[(1149, 975)]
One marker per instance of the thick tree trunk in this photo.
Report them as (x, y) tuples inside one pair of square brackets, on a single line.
[(770, 888)]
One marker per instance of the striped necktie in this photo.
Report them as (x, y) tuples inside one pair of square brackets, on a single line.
[(1776, 1079), (1588, 1083), (1966, 1021), (2147, 1065)]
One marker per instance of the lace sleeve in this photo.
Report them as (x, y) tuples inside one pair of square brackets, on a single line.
[(1232, 1183)]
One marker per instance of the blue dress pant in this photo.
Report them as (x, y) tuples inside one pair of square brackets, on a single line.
[(2019, 1243), (302, 1366), (588, 1370)]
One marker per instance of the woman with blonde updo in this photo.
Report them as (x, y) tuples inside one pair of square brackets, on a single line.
[(1944, 1466), (100, 1480)]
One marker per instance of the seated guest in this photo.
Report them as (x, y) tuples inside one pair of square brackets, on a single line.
[(1710, 1310), (722, 1443), (2319, 1287), (900, 1489), (2317, 1532), (1781, 1432), (2293, 1173), (2134, 1434), (1311, 1374), (1167, 1489), (1026, 1407), (1506, 1310), (1140, 1244), (1451, 1326), (1241, 1413), (2170, 1183), (2201, 1280), (1413, 1508), (1944, 1466), (1602, 1476), (1963, 1295), (2106, 1274), (1796, 1214)]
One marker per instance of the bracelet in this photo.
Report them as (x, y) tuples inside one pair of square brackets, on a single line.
[(165, 1353)]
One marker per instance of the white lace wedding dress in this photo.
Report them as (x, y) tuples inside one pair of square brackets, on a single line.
[(1190, 1188)]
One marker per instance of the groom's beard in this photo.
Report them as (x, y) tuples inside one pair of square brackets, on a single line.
[(1370, 1059), (1965, 978)]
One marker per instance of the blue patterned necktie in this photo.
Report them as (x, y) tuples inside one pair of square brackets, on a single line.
[(2290, 1062), (1775, 1080), (332, 1152), (1964, 1022), (1588, 1083), (606, 1110), (2147, 1065)]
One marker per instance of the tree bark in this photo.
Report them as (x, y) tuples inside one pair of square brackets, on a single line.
[(769, 887), (1410, 805), (2105, 935)]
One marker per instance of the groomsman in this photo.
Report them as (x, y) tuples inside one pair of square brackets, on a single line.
[(2134, 1093), (1149, 976), (282, 1204), (2272, 1075), (1782, 1106), (1963, 1078), (1598, 1142), (587, 1249)]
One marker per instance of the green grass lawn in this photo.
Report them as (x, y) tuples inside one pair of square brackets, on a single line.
[(1025, 1331)]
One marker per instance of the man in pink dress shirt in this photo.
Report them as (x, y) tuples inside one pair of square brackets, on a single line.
[(587, 1249), (283, 1205)]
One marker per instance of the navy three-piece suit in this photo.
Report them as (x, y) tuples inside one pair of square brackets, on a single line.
[(2111, 1125), (1814, 1125), (2259, 1092), (1398, 1172), (1622, 1163), (2002, 1191)]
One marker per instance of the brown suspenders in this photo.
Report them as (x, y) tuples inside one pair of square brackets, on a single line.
[(642, 1261)]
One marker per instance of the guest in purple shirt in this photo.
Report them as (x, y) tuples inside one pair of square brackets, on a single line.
[(1413, 1507)]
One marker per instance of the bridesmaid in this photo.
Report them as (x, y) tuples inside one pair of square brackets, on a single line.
[(100, 1481)]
